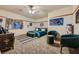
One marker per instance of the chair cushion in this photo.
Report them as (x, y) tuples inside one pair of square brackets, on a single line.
[(52, 33), (70, 40)]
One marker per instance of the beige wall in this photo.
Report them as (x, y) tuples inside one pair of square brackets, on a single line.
[(70, 19), (18, 17), (41, 20), (37, 25)]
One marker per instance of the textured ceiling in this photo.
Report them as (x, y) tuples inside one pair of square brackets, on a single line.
[(24, 10)]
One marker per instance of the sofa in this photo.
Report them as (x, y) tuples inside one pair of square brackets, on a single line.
[(70, 40)]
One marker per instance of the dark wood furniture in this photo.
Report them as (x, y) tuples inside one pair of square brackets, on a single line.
[(6, 42)]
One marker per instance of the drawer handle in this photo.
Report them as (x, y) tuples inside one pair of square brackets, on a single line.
[(6, 41)]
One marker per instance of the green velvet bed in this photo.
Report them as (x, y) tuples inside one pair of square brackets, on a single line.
[(38, 32)]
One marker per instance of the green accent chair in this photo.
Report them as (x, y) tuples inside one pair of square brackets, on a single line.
[(71, 40), (51, 36), (53, 33)]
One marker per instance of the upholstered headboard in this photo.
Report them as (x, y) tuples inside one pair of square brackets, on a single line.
[(37, 29)]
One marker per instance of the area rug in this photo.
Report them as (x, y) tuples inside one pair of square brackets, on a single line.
[(24, 39)]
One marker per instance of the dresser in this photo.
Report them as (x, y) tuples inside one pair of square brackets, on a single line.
[(6, 42)]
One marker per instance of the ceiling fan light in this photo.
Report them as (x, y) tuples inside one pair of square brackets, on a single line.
[(30, 11), (34, 11)]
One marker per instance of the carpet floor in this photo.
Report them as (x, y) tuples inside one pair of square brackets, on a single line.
[(24, 39), (27, 45)]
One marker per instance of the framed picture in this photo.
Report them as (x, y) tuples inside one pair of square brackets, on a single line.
[(70, 29), (30, 24), (56, 22), (41, 24), (77, 16), (14, 24)]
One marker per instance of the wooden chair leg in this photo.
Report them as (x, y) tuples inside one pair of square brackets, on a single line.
[(61, 50)]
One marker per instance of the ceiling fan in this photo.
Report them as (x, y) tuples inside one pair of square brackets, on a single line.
[(32, 9)]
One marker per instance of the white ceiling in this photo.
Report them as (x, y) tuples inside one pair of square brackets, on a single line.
[(23, 10)]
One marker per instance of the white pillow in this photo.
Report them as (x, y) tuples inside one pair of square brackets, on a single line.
[(42, 29), (36, 29)]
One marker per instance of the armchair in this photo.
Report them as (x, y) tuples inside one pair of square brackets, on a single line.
[(51, 36), (52, 33), (71, 40)]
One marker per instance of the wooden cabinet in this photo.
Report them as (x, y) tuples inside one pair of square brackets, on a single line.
[(6, 42)]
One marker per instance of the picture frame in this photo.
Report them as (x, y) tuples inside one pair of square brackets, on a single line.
[(41, 24), (30, 23), (69, 29), (56, 22), (14, 24)]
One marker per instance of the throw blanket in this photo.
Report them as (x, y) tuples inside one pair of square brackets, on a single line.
[(38, 33)]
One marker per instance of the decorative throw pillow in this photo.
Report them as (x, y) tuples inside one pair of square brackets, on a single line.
[(36, 29), (43, 29)]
